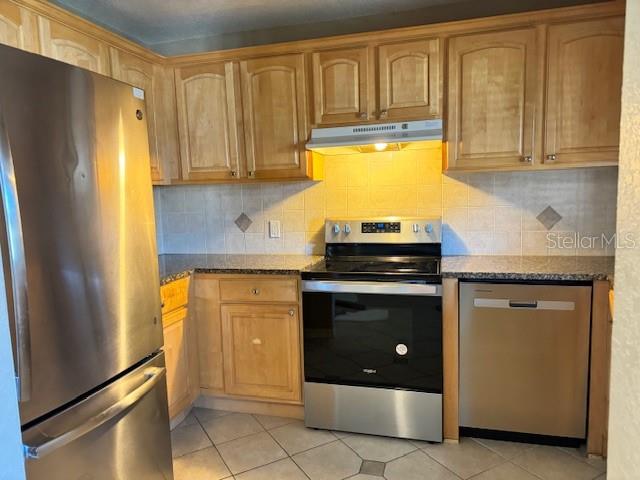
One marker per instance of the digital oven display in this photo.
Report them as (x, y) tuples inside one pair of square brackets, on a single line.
[(380, 227)]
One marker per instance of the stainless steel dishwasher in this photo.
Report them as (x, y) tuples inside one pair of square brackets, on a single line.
[(524, 358)]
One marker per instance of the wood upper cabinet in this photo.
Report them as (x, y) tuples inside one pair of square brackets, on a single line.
[(262, 350), (342, 86), (493, 85), (209, 121), (71, 46), (141, 74), (275, 116), (18, 27), (409, 80), (583, 91)]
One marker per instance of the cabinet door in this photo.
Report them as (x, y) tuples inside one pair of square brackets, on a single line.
[(176, 348), (139, 73), (583, 92), (492, 99), (409, 80), (18, 27), (67, 45), (341, 86), (261, 345), (209, 119), (275, 116)]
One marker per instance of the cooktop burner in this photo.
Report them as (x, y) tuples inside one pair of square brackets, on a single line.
[(391, 248)]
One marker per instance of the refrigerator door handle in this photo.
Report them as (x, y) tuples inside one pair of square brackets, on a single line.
[(11, 208), (153, 375)]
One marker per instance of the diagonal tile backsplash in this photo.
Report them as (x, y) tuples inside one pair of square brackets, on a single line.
[(483, 213)]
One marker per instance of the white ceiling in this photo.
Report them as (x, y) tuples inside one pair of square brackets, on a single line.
[(160, 23)]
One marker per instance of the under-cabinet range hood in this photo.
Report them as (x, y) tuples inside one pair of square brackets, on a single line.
[(375, 138)]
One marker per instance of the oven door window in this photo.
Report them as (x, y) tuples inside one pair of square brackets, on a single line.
[(373, 340)]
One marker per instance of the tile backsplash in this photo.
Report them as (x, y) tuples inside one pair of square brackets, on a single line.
[(482, 213)]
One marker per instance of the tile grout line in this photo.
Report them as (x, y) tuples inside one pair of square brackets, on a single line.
[(214, 445), (441, 464), (287, 453)]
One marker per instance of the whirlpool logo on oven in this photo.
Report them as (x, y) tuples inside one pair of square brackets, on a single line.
[(370, 371)]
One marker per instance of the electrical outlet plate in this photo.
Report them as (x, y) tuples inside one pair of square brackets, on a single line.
[(274, 229)]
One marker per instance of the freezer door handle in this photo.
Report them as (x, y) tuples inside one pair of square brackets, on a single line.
[(152, 374), (11, 208)]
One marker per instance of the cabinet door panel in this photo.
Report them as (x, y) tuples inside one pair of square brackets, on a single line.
[(70, 46), (18, 27), (584, 90), (492, 95), (409, 80), (275, 116), (139, 73), (177, 361), (209, 326), (341, 84), (208, 121), (262, 351)]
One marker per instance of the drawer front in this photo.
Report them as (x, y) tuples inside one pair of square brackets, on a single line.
[(174, 295), (259, 290)]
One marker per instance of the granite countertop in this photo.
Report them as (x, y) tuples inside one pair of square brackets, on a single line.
[(528, 268), (175, 266)]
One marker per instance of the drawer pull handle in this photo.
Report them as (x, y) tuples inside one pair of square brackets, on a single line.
[(292, 312), (256, 341), (255, 291)]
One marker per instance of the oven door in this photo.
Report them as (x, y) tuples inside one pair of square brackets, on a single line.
[(375, 334)]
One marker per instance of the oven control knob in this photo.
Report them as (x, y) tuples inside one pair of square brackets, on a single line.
[(415, 227), (336, 228), (428, 228), (347, 229)]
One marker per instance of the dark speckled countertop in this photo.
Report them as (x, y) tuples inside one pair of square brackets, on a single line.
[(554, 268), (175, 266)]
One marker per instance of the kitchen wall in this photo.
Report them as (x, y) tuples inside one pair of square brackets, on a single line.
[(624, 421), (492, 213)]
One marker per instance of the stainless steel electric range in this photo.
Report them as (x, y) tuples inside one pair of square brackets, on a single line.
[(373, 329)]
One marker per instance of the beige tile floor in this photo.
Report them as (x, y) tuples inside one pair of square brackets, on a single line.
[(214, 445)]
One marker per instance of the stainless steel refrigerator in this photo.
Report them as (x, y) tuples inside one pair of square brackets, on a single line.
[(78, 242)]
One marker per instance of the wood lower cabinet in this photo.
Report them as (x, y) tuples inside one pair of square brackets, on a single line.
[(275, 116), (409, 80), (209, 121), (493, 91), (249, 344), (262, 351), (176, 350), (18, 27), (342, 86), (71, 46), (180, 347), (582, 123)]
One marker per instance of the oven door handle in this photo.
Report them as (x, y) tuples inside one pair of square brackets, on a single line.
[(376, 288)]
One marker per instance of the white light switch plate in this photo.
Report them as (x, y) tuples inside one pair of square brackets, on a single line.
[(274, 228)]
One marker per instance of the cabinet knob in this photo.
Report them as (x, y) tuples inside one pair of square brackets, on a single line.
[(255, 291), (526, 159), (252, 173), (363, 115), (383, 114), (292, 312), (551, 157), (234, 173), (256, 341)]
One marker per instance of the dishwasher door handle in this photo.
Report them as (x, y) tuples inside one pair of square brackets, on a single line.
[(521, 304), (506, 303)]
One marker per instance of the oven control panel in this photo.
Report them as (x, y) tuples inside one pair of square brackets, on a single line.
[(380, 227), (384, 230)]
